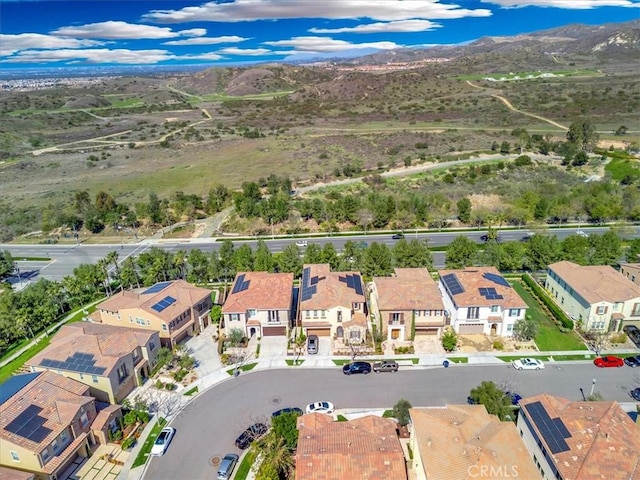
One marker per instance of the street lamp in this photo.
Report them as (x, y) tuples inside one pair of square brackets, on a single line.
[(593, 386)]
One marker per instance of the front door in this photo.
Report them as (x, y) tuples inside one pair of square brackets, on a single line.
[(395, 334)]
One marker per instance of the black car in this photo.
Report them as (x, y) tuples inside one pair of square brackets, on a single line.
[(633, 333), (635, 394), (633, 361), (398, 236), (282, 411), (357, 367), (252, 433), (485, 238)]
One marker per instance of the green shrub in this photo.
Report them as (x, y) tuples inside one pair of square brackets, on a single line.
[(560, 316), (618, 338), (498, 345), (159, 384), (170, 386), (127, 443), (117, 435)]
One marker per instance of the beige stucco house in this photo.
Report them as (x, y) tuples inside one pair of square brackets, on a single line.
[(174, 309), (596, 296), (260, 303), (631, 271), (110, 360), (409, 297), (481, 301), (332, 304), (47, 421)]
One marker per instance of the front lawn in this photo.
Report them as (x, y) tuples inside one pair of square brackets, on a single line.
[(458, 359), (14, 365), (549, 338), (143, 454), (245, 465), (295, 363), (244, 368)]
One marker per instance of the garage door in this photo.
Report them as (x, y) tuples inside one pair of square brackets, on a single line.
[(427, 331), (469, 328), (273, 331), (321, 332)]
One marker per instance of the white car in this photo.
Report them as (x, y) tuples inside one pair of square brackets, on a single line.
[(528, 364), (301, 243), (320, 407), (582, 233), (162, 442)]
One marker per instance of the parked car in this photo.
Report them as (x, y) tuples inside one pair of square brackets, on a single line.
[(312, 344), (582, 233), (485, 238), (227, 465), (635, 394), (633, 333), (302, 243), (398, 236), (608, 361), (162, 442), (356, 367), (633, 361), (528, 364), (385, 366), (282, 411), (254, 432), (320, 407)]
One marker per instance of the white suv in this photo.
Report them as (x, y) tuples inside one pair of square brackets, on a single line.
[(301, 243)]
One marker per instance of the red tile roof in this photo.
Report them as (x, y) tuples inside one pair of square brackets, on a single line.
[(11, 474), (265, 291), (409, 289), (474, 278), (362, 449), (604, 441), (51, 398), (331, 289)]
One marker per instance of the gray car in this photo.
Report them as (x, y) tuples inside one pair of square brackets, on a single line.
[(385, 366), (312, 344), (227, 465)]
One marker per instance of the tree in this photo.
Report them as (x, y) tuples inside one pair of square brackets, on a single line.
[(493, 398), (285, 426), (277, 459), (583, 135), (505, 147), (227, 263), (464, 210), (289, 260), (243, 258), (312, 254), (461, 252), (235, 337), (198, 266), (633, 251), (622, 130), (263, 258), (449, 340), (7, 265), (525, 329), (377, 260), (401, 412), (541, 251), (330, 256)]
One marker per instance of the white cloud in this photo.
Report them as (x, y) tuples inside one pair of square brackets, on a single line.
[(194, 32), (250, 10), (207, 40), (118, 31), (201, 56), (94, 56), (568, 4), (10, 44), (382, 27), (245, 51), (324, 44)]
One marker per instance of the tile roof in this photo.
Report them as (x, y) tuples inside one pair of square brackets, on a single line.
[(103, 415), (456, 440), (366, 448), (409, 289), (11, 474), (604, 441), (474, 278), (185, 294), (39, 412), (261, 291), (331, 289), (106, 343), (596, 283)]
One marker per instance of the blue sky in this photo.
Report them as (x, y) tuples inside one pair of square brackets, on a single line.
[(67, 33)]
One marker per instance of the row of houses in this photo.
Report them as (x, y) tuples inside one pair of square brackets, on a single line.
[(554, 438)]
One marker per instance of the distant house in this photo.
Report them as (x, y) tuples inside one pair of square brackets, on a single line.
[(174, 309), (410, 296), (580, 440), (363, 448), (598, 296), (332, 303), (466, 442), (260, 303), (631, 271), (11, 474), (110, 360), (481, 301), (47, 421)]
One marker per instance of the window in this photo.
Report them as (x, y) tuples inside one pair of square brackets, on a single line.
[(164, 327), (323, 314), (273, 316), (354, 334), (617, 307), (636, 310), (514, 312), (122, 373), (396, 317), (55, 445), (339, 315), (81, 376), (235, 317), (495, 308), (307, 314), (14, 456), (473, 312), (148, 322), (45, 455), (510, 328), (601, 310), (251, 313), (152, 346), (94, 378), (135, 355), (315, 314), (84, 419), (64, 436)]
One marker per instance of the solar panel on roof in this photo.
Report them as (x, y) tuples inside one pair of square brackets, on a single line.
[(358, 285), (29, 424), (452, 283), (164, 303), (553, 430), (157, 287), (238, 285), (498, 279)]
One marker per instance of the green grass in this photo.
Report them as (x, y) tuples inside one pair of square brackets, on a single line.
[(459, 359), (620, 168), (565, 358), (143, 454), (245, 465), (191, 391), (342, 418), (341, 362), (294, 363), (387, 414), (523, 75), (244, 368), (13, 366), (549, 338), (32, 259), (509, 358)]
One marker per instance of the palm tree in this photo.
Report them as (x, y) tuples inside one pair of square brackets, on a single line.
[(180, 262), (276, 457), (112, 258)]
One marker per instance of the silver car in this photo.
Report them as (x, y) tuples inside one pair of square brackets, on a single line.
[(312, 344), (227, 465)]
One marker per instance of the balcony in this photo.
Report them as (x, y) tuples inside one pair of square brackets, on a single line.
[(396, 322)]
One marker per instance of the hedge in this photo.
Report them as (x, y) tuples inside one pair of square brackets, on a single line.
[(539, 292)]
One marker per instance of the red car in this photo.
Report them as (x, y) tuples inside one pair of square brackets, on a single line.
[(603, 362)]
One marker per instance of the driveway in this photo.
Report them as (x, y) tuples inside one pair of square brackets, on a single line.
[(273, 347)]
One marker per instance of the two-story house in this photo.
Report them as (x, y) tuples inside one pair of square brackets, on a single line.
[(572, 440), (631, 271), (596, 296), (174, 309), (110, 360), (480, 300), (260, 303), (46, 422), (410, 297), (332, 303)]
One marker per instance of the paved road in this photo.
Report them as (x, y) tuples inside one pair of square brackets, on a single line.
[(209, 425), (64, 258)]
